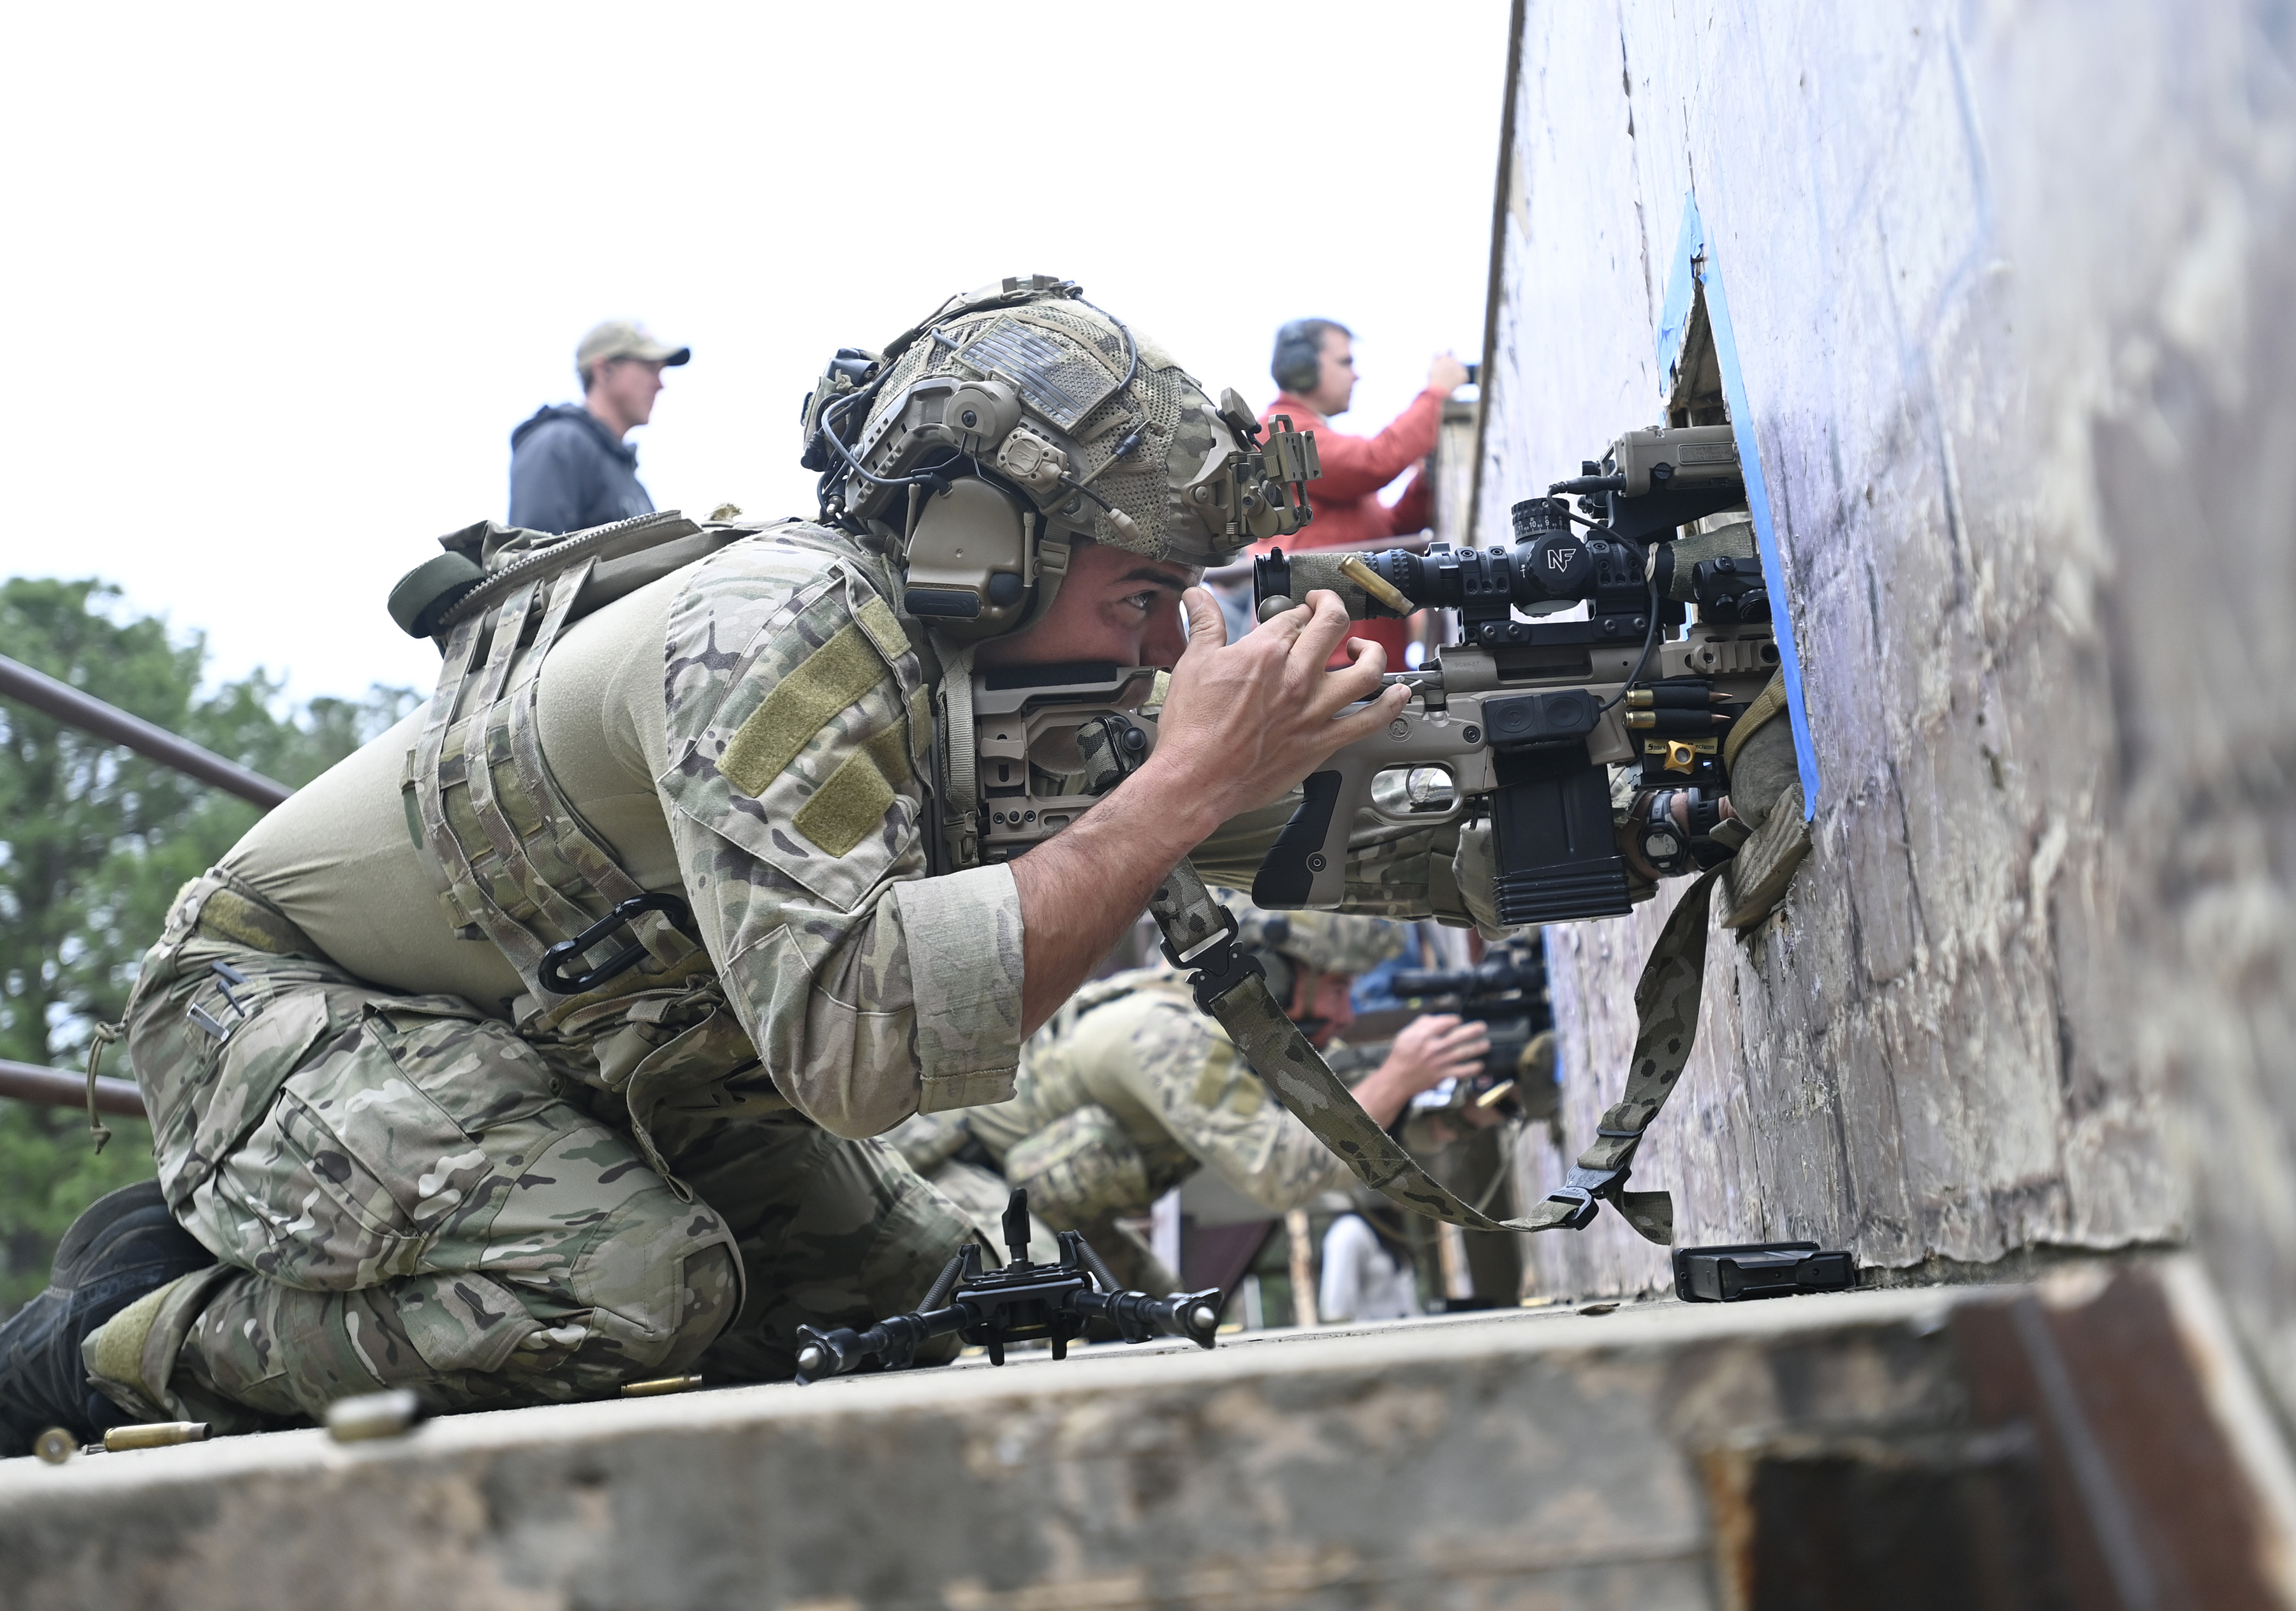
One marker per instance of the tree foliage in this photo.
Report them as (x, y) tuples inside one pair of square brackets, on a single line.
[(95, 842)]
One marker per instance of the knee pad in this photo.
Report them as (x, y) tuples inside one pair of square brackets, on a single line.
[(710, 1296)]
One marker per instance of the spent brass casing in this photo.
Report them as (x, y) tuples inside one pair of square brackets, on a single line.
[(56, 1445), (373, 1415), (660, 1384), (1372, 583), (154, 1435)]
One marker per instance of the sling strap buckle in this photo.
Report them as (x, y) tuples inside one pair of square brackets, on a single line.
[(1226, 966), (1216, 965), (1585, 1188)]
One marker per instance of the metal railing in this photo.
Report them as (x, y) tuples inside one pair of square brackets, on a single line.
[(28, 1082), (91, 716), (58, 1088)]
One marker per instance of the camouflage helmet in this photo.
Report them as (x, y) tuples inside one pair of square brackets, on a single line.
[(1018, 418), (1330, 942)]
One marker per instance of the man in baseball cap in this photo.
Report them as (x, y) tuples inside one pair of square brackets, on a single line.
[(569, 468)]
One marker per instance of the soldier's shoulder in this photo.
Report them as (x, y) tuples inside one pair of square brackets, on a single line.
[(798, 720), (775, 559), (1150, 1015), (765, 603), (1145, 988)]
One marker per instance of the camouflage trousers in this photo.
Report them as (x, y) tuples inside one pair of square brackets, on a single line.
[(402, 1193)]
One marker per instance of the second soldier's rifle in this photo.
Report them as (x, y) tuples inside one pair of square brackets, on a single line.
[(1022, 1301), (1506, 991)]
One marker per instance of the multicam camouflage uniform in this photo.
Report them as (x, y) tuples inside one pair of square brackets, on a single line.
[(1133, 1090), (407, 1191), (668, 1171)]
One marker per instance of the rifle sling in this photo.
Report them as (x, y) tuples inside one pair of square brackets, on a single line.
[(1666, 1005)]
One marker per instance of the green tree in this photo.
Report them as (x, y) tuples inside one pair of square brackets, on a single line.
[(94, 843)]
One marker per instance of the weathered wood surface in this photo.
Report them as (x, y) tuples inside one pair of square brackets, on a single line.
[(1649, 1459), (2009, 292)]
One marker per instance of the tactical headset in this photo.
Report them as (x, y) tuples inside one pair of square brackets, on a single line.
[(1299, 361), (974, 469)]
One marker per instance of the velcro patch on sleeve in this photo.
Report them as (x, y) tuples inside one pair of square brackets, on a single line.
[(877, 619), (831, 680), (848, 807)]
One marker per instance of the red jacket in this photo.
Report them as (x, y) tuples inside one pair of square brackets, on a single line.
[(1356, 469)]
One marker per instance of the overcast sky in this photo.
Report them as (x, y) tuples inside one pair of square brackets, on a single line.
[(283, 280)]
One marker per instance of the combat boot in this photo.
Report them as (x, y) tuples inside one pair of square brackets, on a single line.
[(126, 1245)]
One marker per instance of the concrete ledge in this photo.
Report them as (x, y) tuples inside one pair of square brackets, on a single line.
[(1528, 1458)]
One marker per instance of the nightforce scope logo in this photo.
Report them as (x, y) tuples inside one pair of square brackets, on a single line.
[(1561, 557)]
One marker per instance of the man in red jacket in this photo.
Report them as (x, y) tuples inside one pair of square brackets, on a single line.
[(1315, 363)]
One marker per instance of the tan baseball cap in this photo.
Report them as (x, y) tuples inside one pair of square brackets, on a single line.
[(625, 338)]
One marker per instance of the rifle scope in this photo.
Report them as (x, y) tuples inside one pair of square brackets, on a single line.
[(1551, 564), (1500, 975)]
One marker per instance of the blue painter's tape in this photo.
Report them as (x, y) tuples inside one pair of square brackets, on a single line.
[(1691, 257)]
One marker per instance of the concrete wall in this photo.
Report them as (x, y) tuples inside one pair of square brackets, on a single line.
[(2009, 288)]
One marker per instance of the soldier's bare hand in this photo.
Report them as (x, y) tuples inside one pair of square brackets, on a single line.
[(1429, 1051), (1244, 723), (1446, 374), (1437, 1048)]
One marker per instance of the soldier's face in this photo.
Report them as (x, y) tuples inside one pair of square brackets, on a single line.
[(1112, 605), (1335, 381)]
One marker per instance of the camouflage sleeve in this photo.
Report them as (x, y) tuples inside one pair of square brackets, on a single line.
[(799, 727), (1186, 1073), (1443, 873)]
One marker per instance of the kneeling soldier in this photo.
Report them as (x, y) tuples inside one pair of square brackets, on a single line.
[(540, 1046)]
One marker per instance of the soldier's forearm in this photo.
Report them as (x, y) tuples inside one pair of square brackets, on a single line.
[(1082, 888), (1383, 1092)]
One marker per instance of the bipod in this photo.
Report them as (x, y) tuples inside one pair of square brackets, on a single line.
[(1019, 1303)]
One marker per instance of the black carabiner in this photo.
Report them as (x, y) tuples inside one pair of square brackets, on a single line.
[(553, 976)]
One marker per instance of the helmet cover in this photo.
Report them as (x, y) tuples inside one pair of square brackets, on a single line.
[(1330, 942), (1042, 378)]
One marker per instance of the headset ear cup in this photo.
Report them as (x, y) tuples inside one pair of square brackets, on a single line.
[(972, 568), (1282, 977)]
